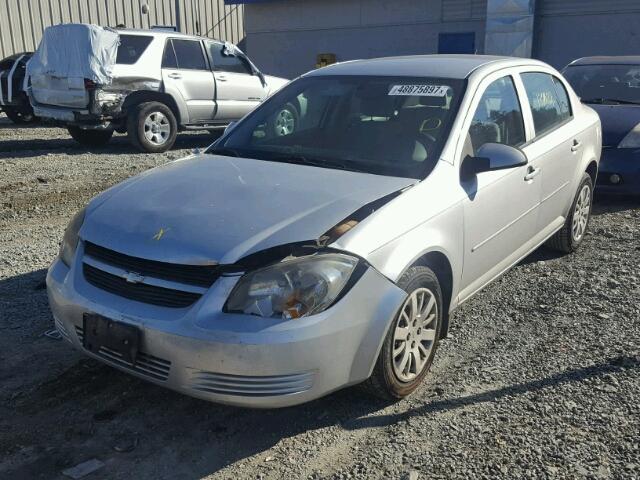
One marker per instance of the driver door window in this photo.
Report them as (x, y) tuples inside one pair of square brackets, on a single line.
[(498, 117)]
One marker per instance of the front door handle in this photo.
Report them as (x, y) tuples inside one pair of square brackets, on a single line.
[(175, 75), (221, 78), (531, 172), (575, 146)]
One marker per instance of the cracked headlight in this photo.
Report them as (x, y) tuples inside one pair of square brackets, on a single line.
[(70, 239), (293, 288), (103, 97)]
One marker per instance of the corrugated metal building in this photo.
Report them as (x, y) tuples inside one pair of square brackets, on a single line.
[(285, 36), (23, 21)]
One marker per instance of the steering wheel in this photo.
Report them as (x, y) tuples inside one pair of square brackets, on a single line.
[(429, 125)]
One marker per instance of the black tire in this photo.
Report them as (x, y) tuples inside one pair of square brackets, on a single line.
[(20, 116), (384, 381), (284, 121), (136, 129), (90, 138), (565, 240)]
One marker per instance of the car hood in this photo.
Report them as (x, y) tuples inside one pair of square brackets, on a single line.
[(211, 209), (617, 121)]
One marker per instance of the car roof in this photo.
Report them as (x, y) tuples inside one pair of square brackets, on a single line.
[(444, 66), (162, 33), (608, 60)]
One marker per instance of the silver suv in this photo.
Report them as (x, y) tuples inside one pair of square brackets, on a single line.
[(149, 84)]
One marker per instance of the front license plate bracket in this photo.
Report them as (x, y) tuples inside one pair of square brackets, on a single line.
[(116, 336)]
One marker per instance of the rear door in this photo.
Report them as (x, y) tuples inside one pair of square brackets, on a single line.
[(186, 74), (556, 145), (240, 89)]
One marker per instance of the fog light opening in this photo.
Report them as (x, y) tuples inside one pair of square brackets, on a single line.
[(615, 178)]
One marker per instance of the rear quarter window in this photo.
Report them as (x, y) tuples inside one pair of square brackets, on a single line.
[(131, 48)]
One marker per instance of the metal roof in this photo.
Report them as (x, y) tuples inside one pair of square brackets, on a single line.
[(445, 66), (608, 60)]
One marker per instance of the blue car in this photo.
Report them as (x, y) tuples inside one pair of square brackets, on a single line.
[(611, 86)]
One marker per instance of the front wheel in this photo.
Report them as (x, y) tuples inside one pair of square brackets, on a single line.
[(152, 127), (285, 121), (412, 339), (90, 138), (572, 233)]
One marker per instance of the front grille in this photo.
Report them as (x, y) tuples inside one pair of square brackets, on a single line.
[(199, 275), (141, 292), (147, 365), (251, 386)]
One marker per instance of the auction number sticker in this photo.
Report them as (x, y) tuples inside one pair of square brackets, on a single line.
[(419, 90)]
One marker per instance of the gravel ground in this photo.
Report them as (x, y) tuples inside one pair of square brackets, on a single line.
[(539, 379)]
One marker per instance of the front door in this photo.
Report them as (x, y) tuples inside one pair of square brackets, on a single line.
[(240, 89), (500, 210), (186, 74)]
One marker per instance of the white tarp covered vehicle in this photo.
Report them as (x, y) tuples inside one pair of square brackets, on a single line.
[(148, 83)]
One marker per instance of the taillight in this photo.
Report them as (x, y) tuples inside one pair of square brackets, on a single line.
[(89, 84)]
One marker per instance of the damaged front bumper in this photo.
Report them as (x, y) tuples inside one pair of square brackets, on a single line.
[(231, 358)]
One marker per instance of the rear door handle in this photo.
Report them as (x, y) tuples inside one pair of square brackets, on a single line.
[(221, 78), (175, 75), (531, 173), (575, 146)]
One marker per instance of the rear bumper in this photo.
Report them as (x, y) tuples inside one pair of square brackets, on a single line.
[(623, 162), (238, 359)]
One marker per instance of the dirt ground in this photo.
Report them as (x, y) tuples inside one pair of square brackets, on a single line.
[(539, 379)]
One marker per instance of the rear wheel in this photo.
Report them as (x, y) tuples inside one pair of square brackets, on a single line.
[(412, 339), (21, 115), (572, 233), (90, 138), (152, 127)]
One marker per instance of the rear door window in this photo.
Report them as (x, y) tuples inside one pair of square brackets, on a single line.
[(548, 100), (131, 48), (169, 59), (223, 62), (189, 54)]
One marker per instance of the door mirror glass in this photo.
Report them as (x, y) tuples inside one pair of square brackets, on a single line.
[(494, 156)]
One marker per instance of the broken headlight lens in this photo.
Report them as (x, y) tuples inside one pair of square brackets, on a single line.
[(70, 239), (293, 288)]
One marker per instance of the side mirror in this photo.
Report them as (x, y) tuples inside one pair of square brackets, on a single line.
[(493, 156)]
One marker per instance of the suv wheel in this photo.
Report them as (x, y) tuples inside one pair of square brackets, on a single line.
[(285, 121), (412, 339), (572, 233), (152, 127), (90, 138), (20, 115)]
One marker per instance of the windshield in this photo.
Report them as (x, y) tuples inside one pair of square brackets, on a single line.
[(392, 126), (605, 83)]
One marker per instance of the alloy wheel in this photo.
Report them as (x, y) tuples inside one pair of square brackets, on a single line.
[(581, 214), (415, 334), (157, 128), (285, 123)]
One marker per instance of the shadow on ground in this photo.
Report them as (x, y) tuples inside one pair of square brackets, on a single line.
[(118, 145), (80, 409)]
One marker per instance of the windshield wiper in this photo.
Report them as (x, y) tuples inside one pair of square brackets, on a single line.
[(302, 160), (227, 152), (610, 100)]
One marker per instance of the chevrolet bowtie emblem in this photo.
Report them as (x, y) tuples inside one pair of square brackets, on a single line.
[(160, 233), (133, 277)]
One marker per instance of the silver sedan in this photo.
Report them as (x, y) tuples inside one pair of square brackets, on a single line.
[(285, 263)]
